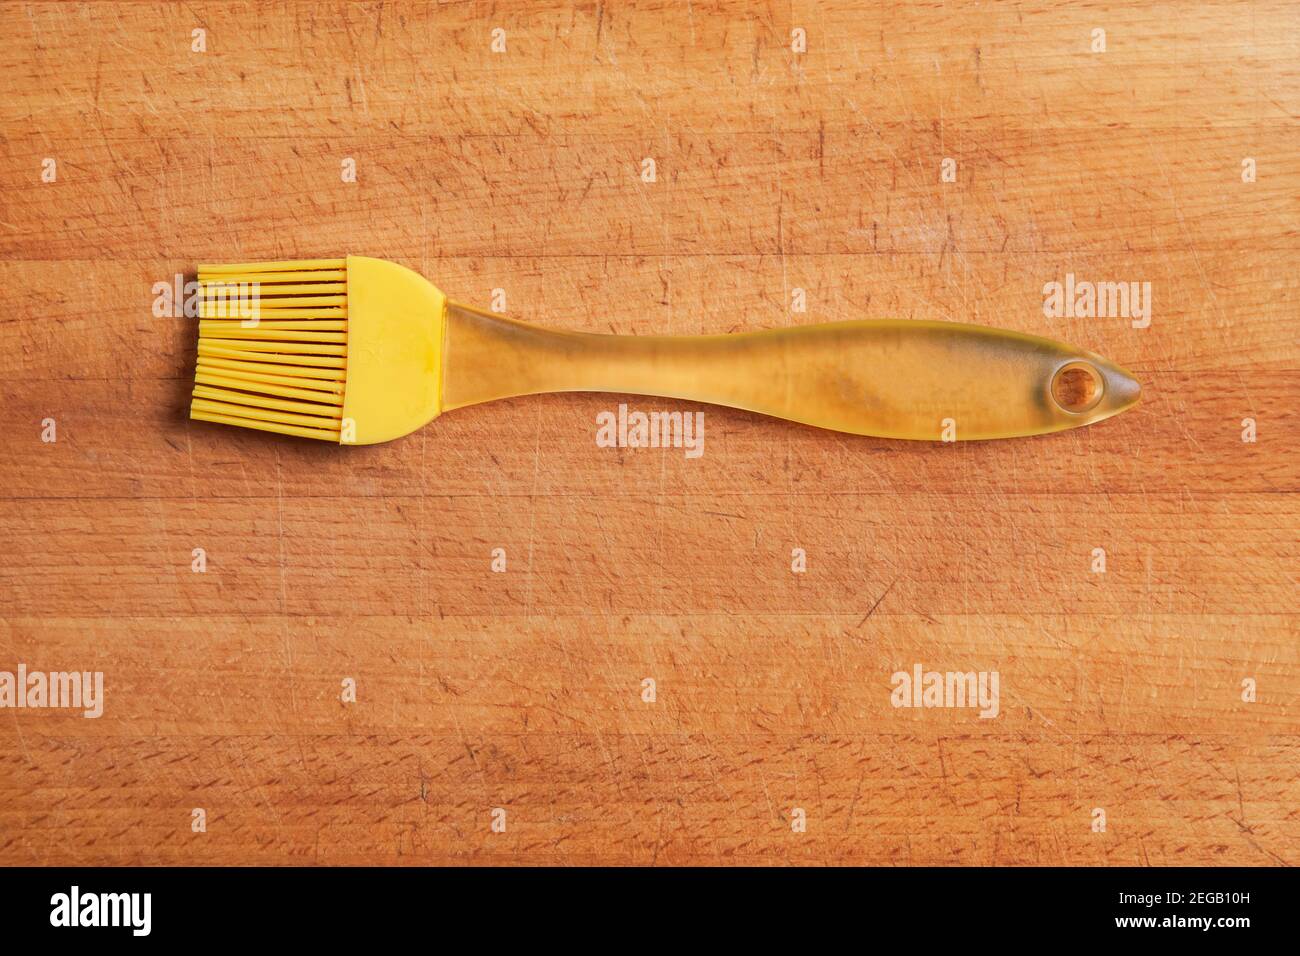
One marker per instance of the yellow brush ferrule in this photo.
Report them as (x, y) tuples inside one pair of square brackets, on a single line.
[(396, 322)]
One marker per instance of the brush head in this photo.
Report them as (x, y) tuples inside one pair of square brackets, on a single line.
[(344, 350)]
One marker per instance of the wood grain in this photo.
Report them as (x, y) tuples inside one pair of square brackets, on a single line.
[(523, 690)]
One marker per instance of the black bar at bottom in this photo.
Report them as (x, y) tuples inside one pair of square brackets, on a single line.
[(924, 906)]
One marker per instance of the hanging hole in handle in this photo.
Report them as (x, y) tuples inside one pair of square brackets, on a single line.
[(1077, 387)]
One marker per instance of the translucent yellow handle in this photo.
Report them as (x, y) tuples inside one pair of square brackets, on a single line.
[(889, 378)]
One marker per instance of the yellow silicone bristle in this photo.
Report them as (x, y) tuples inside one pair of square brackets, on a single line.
[(273, 346)]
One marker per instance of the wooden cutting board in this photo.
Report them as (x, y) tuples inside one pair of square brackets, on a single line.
[(930, 161)]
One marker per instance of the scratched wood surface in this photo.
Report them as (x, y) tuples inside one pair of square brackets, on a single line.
[(522, 690)]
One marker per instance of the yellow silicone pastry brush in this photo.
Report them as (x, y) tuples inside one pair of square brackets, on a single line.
[(361, 350)]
